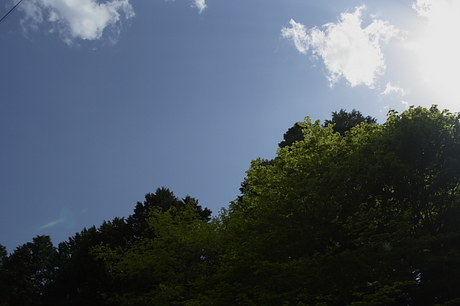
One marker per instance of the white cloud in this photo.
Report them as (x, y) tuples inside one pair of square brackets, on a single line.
[(84, 19), (393, 89), (347, 49), (200, 4), (299, 36)]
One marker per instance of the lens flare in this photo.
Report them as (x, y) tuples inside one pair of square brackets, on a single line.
[(66, 218)]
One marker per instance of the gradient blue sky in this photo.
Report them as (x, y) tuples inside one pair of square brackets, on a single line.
[(104, 101)]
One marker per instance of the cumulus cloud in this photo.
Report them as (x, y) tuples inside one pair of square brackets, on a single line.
[(200, 4), (347, 49), (393, 89), (83, 19)]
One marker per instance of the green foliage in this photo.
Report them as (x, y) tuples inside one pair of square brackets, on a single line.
[(292, 135), (162, 200), (341, 122), (349, 213), (3, 254), (28, 272), (364, 217), (82, 279), (163, 270)]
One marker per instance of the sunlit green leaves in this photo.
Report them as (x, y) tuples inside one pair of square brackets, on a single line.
[(162, 270), (367, 199)]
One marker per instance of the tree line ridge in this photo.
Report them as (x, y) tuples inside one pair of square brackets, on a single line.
[(349, 212)]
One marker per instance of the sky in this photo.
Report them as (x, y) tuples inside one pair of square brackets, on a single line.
[(104, 101)]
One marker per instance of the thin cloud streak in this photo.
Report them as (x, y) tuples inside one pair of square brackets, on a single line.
[(347, 49)]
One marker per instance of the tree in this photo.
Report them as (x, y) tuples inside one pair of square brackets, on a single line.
[(167, 267), (168, 238), (364, 217), (368, 216), (80, 279), (276, 226), (341, 121), (163, 199), (29, 271), (292, 135), (3, 254), (3, 278)]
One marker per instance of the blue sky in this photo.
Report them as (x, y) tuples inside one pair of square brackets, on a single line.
[(104, 101)]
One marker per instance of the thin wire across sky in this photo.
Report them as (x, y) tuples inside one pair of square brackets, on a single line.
[(10, 11)]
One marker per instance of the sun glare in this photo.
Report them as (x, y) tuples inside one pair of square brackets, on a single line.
[(438, 49)]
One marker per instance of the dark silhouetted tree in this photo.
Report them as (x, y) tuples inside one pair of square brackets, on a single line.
[(166, 266), (29, 271), (342, 121), (163, 199), (292, 135)]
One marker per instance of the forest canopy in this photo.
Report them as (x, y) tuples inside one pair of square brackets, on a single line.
[(349, 212)]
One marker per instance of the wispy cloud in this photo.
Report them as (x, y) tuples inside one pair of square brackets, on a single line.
[(298, 34), (200, 5), (347, 49), (393, 89), (83, 19)]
